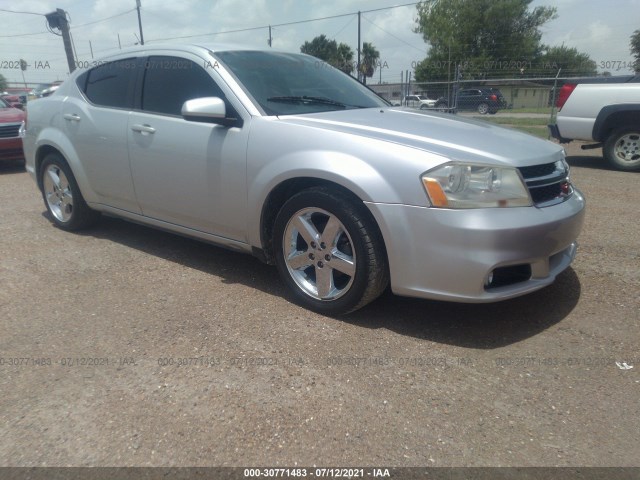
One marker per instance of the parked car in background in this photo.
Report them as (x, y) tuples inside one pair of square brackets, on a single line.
[(54, 86), (606, 113), (45, 89), (483, 100), (419, 101), (37, 91), (13, 100), (262, 152), (11, 131)]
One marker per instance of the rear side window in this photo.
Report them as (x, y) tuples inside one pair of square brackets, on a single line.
[(171, 81), (111, 84)]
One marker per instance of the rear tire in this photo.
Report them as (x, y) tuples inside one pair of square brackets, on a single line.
[(483, 108), (442, 107), (62, 196), (329, 251), (622, 149)]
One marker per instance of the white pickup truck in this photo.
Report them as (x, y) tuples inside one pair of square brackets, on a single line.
[(605, 113)]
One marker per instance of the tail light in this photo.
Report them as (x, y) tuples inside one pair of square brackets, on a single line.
[(493, 97), (564, 93)]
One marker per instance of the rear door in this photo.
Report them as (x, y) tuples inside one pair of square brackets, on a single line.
[(187, 173), (96, 125)]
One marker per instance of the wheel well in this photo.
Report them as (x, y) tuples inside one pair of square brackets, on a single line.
[(277, 198), (40, 155), (618, 120)]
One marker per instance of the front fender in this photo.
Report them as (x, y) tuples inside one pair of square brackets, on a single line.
[(347, 171)]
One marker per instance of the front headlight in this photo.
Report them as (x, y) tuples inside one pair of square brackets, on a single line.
[(462, 185)]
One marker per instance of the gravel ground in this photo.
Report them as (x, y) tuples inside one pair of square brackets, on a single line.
[(95, 329)]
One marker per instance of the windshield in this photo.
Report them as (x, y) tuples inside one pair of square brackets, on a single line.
[(3, 104), (288, 83)]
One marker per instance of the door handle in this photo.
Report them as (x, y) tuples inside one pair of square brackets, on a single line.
[(143, 128), (72, 117)]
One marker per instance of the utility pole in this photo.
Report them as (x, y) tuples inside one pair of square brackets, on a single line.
[(358, 46), (119, 44), (139, 22), (91, 48), (270, 39), (58, 20)]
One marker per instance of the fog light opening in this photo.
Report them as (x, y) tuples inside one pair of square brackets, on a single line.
[(488, 280), (505, 276)]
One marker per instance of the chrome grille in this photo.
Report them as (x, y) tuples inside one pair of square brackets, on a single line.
[(548, 184), (9, 131)]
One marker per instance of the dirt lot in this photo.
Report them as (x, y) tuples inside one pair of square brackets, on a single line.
[(128, 346)]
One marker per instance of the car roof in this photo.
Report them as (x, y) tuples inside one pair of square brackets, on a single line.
[(198, 48)]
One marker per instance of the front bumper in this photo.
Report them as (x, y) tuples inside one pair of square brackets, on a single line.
[(448, 254), (554, 131), (11, 149)]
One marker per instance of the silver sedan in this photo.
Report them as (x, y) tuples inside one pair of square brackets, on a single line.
[(282, 156)]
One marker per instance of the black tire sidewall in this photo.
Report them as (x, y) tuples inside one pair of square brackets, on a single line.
[(345, 212)]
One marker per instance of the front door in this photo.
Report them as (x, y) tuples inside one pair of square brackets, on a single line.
[(187, 173)]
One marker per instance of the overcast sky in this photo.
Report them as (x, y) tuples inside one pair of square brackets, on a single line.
[(599, 29)]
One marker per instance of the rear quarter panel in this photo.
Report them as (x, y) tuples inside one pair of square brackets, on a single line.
[(578, 115)]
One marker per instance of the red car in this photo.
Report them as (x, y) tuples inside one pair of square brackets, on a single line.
[(11, 124)]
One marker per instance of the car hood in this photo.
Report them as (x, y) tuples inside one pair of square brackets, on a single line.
[(455, 137), (11, 115)]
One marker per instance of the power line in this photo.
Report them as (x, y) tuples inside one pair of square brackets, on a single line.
[(345, 26), (394, 36), (330, 17), (22, 35), (103, 19), (18, 11), (72, 26)]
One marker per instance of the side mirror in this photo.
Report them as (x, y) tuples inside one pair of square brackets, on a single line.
[(208, 109)]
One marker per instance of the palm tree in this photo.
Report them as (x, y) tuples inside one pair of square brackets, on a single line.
[(344, 58), (370, 57), (338, 55)]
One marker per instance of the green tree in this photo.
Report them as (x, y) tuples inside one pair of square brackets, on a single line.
[(572, 62), (486, 37), (635, 49), (338, 55), (344, 58), (3, 83), (369, 60)]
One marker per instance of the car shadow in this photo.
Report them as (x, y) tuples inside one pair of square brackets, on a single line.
[(589, 161), (480, 326), (484, 326)]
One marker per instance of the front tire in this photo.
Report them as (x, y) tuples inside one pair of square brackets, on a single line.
[(62, 196), (329, 251), (622, 149)]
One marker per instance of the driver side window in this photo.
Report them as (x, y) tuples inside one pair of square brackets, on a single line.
[(171, 81)]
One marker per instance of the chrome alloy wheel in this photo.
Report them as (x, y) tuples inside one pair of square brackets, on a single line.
[(319, 254), (627, 148), (57, 192)]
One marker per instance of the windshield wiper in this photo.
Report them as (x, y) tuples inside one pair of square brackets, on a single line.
[(309, 100)]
